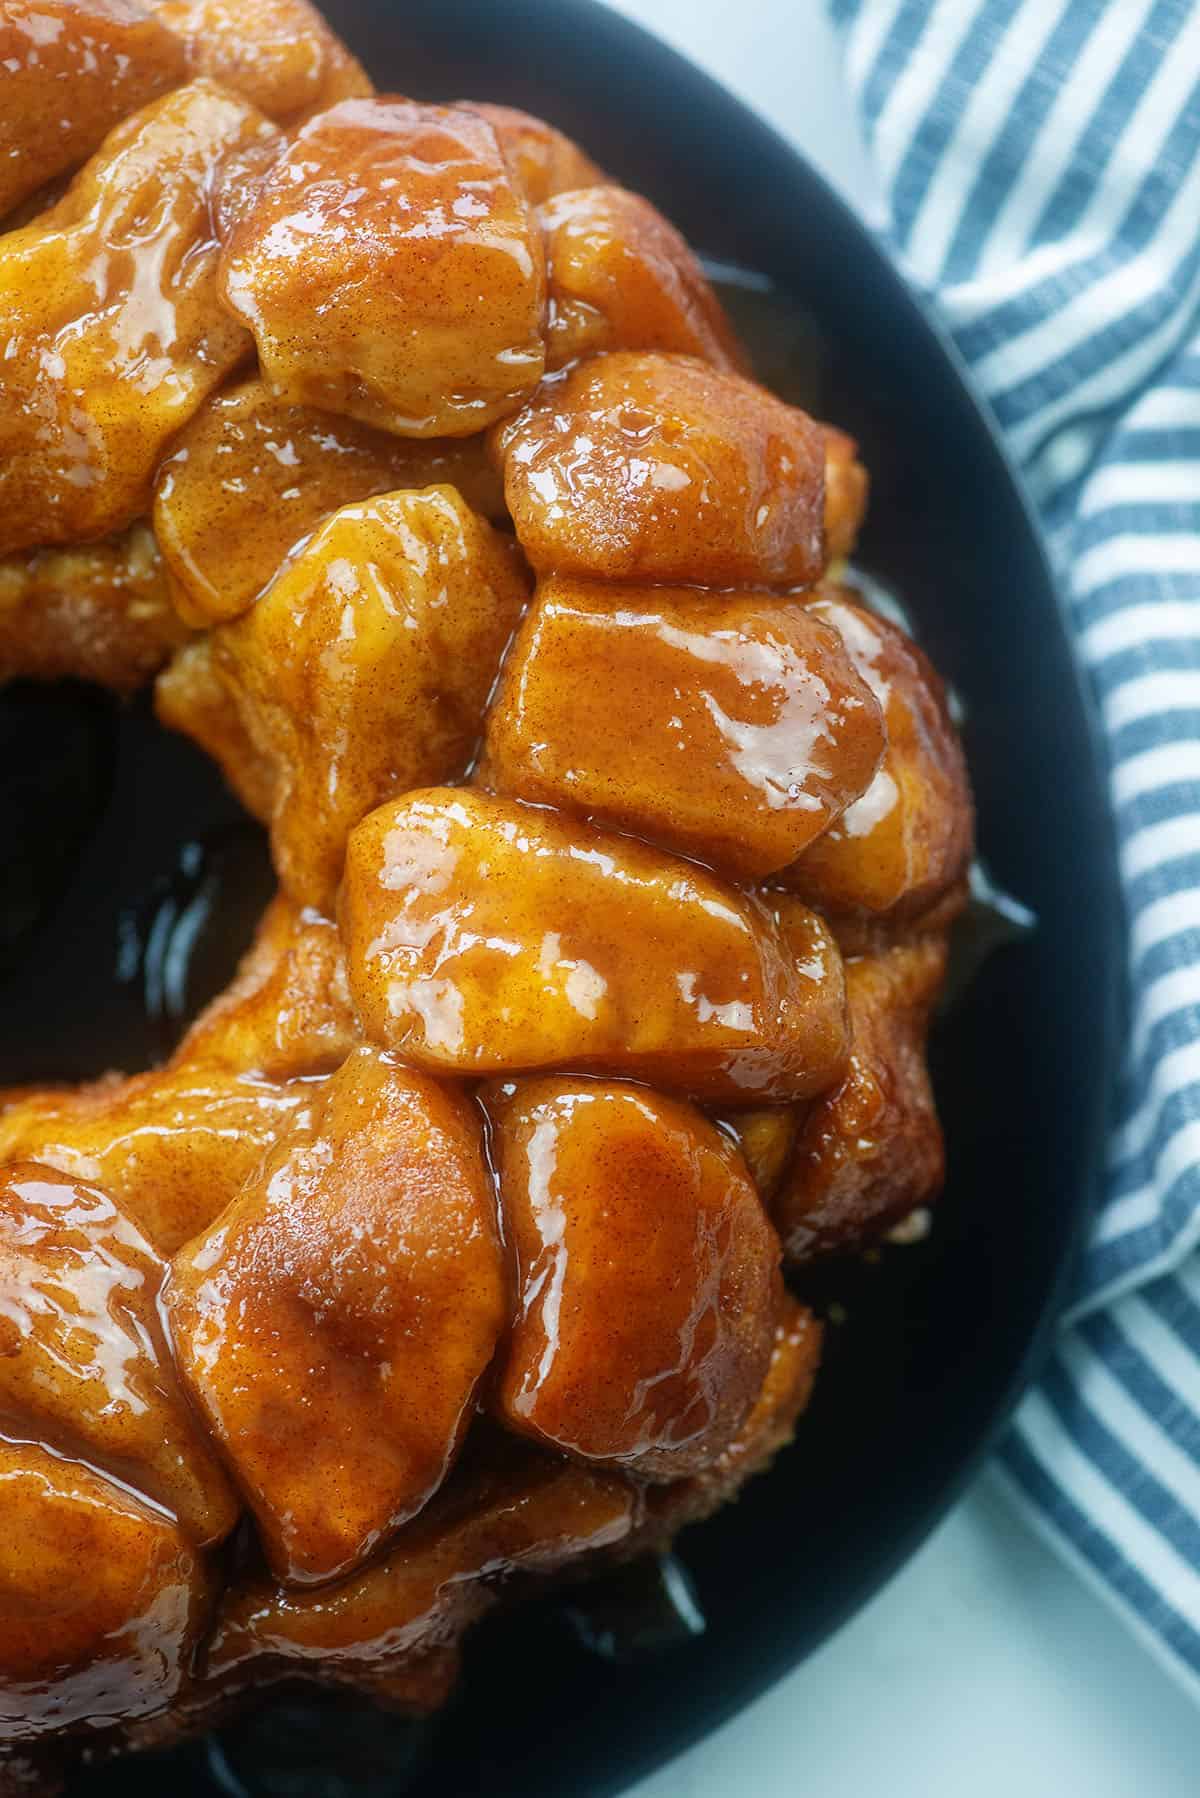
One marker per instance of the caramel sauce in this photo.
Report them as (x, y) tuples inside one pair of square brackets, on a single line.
[(617, 844)]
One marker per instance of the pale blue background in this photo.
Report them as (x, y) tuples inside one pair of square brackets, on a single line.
[(985, 1670)]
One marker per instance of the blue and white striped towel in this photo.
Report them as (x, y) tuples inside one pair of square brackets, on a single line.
[(1040, 160)]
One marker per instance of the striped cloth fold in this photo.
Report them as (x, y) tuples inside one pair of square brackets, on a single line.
[(1040, 161)]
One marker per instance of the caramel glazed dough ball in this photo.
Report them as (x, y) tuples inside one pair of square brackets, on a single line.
[(617, 845)]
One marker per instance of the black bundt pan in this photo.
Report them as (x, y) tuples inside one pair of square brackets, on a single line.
[(99, 810)]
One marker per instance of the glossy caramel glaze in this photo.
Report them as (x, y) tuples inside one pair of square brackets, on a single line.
[(84, 1367), (909, 839), (309, 1354), (191, 697), (510, 1510), (768, 1427), (870, 1151), (390, 269), (635, 467), (334, 1323), (621, 278), (101, 1598), (520, 1510), (252, 476), (543, 161), (847, 488), (646, 1275), (280, 55), (488, 937), (171, 1147), (366, 667), (287, 1011), (70, 71), (99, 612), (733, 728), (111, 320), (241, 180)]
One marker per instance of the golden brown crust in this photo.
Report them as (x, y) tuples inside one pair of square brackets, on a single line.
[(656, 468), (109, 379), (488, 937), (280, 55), (404, 1286), (72, 70), (172, 1147), (191, 697), (98, 612), (423, 319), (512, 1516), (870, 1151), (847, 488), (769, 1427), (515, 1510), (364, 670), (102, 1598), (287, 1010), (621, 278), (252, 476), (85, 1367), (334, 1322), (769, 735), (543, 160), (645, 1271), (908, 840), (766, 1140)]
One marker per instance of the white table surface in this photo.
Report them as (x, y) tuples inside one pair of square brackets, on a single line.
[(985, 1669)]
